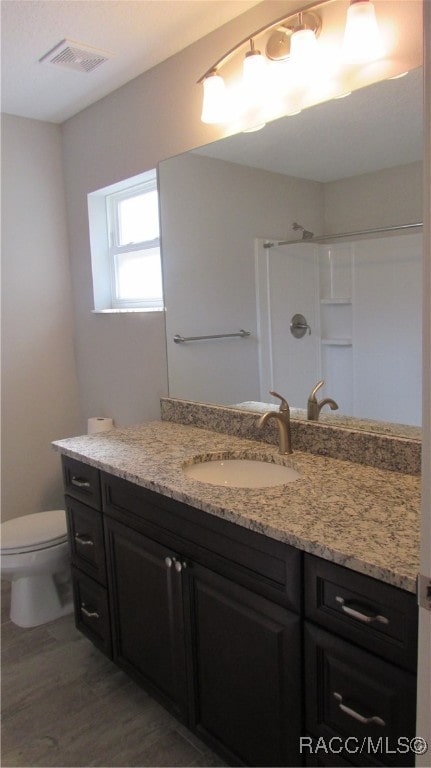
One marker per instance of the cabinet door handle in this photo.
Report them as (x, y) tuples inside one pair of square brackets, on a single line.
[(170, 561), (81, 482), (359, 615), (84, 540), (375, 719), (90, 613), (179, 566)]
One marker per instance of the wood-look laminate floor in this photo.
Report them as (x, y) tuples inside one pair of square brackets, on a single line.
[(65, 704)]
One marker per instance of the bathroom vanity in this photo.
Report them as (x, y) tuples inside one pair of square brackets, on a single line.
[(271, 620)]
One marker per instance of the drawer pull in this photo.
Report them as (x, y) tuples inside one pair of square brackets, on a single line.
[(84, 540), (359, 615), (89, 613), (81, 482), (375, 719)]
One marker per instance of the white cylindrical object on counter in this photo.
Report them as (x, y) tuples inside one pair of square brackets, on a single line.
[(99, 424)]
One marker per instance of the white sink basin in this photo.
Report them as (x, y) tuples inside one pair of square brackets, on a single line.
[(241, 473)]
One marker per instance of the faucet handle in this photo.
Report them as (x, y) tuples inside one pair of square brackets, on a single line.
[(284, 405), (316, 388)]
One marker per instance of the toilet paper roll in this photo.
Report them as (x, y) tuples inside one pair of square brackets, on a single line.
[(99, 424)]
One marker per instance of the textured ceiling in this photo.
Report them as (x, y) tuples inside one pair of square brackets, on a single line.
[(139, 33), (383, 122)]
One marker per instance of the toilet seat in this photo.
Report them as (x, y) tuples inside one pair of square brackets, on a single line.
[(31, 533)]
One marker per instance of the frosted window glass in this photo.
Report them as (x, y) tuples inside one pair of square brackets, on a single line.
[(139, 275), (138, 218)]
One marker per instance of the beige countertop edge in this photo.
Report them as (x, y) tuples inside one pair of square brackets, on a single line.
[(379, 506)]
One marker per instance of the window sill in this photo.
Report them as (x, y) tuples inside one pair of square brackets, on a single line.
[(129, 309)]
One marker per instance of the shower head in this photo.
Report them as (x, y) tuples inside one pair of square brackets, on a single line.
[(306, 234)]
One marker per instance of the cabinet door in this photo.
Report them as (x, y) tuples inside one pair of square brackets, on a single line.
[(361, 700), (146, 609), (246, 660)]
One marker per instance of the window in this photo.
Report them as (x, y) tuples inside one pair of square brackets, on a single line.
[(125, 245)]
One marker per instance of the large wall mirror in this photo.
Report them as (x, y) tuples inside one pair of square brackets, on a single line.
[(236, 223)]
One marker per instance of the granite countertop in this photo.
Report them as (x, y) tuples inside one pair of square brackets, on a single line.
[(361, 517)]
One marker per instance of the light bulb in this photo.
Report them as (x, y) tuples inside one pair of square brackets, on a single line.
[(254, 76), (362, 40), (253, 68), (214, 107), (303, 52), (303, 45)]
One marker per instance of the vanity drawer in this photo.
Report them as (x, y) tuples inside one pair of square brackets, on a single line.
[(86, 541), (81, 481), (92, 610), (321, 755), (352, 693), (268, 567), (373, 614)]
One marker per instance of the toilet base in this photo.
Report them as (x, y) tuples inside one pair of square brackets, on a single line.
[(40, 598)]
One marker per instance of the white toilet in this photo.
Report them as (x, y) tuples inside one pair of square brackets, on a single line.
[(35, 559)]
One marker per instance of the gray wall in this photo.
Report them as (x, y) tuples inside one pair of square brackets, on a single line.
[(60, 363), (39, 385), (211, 211), (382, 198), (121, 359)]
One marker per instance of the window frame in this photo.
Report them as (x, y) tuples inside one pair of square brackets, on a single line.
[(112, 203)]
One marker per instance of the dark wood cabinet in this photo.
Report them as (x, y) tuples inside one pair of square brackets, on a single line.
[(360, 641), (145, 596), (86, 540), (92, 616), (87, 551), (225, 660), (81, 482), (247, 674), (359, 698), (374, 615), (248, 641), (268, 567), (323, 754)]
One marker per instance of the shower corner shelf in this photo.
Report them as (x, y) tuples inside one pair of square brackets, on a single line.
[(336, 342), (337, 300)]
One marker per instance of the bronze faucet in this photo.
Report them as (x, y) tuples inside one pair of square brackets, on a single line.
[(314, 407), (282, 416)]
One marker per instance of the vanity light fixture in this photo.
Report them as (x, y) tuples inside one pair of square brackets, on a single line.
[(362, 40), (214, 107), (291, 39), (254, 73), (303, 45), (254, 67)]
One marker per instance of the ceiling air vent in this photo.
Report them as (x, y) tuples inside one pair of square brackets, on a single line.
[(77, 56)]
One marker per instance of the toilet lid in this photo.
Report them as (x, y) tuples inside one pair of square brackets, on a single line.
[(32, 532)]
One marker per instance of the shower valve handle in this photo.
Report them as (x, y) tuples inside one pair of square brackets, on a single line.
[(299, 326)]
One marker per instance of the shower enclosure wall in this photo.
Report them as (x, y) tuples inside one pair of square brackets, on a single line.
[(361, 300)]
